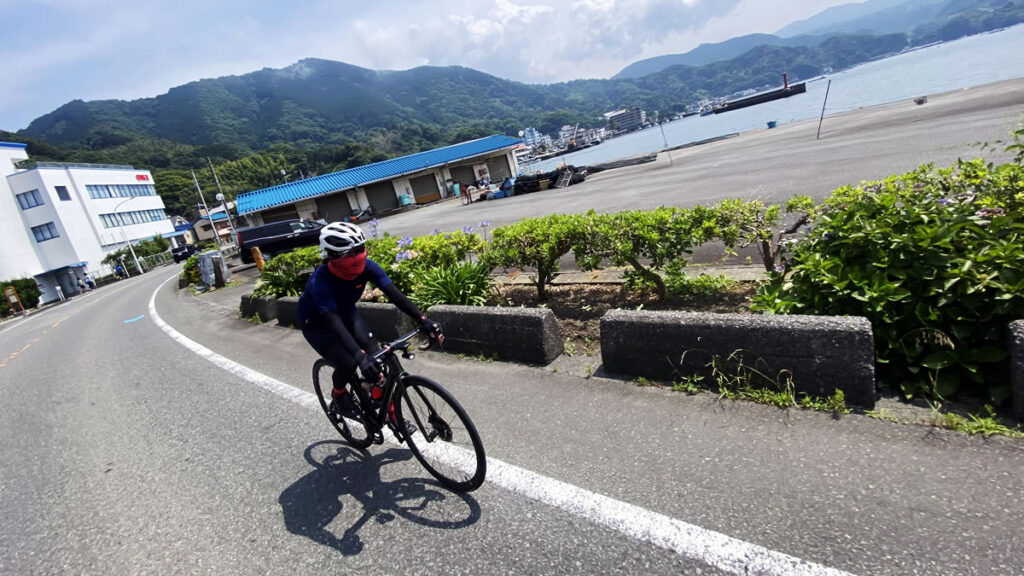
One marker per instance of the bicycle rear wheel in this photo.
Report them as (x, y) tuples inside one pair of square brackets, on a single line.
[(354, 431), (446, 442)]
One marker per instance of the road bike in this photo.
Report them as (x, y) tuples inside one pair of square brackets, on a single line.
[(442, 437)]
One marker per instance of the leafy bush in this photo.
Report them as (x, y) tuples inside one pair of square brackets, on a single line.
[(191, 270), (28, 293), (408, 260), (647, 242), (460, 283), (287, 273), (935, 259), (536, 243)]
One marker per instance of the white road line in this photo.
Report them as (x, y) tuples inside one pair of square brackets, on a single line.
[(712, 548)]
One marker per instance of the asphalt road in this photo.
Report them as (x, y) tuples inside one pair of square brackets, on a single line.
[(126, 449)]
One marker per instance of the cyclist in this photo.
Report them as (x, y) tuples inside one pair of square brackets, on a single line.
[(329, 317)]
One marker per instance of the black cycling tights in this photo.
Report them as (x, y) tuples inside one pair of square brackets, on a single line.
[(328, 344)]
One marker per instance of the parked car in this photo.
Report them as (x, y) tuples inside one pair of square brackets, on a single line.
[(182, 252), (276, 237)]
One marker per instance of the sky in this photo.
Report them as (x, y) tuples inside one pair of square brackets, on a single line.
[(55, 51)]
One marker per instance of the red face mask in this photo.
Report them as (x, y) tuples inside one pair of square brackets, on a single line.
[(347, 267)]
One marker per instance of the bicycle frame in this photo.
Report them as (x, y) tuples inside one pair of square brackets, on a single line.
[(394, 372)]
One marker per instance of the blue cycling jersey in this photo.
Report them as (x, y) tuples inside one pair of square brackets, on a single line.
[(325, 292)]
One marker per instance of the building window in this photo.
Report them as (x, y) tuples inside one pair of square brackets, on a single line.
[(129, 218), (119, 190), (62, 193), (45, 232), (30, 199)]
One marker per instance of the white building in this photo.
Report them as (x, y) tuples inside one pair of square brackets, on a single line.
[(58, 221)]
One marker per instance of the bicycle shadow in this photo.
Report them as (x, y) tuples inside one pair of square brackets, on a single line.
[(313, 502)]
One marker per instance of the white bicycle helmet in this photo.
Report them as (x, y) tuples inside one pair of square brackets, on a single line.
[(340, 237)]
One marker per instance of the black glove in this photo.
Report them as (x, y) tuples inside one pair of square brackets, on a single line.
[(430, 328), (370, 371)]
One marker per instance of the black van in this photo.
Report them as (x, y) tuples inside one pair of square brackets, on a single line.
[(277, 237)]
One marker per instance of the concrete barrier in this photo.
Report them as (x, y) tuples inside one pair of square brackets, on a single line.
[(527, 335), (266, 307), (386, 321), (288, 311), (822, 353), (247, 307), (1016, 345)]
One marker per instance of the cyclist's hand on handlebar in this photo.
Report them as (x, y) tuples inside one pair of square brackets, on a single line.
[(431, 329), (369, 370)]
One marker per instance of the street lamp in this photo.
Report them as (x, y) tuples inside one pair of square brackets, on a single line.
[(120, 224)]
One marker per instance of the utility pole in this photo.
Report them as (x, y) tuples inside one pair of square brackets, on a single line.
[(220, 197), (216, 236), (667, 151)]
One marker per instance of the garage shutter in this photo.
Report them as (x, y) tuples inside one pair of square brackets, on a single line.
[(463, 175), (278, 214), (498, 167), (382, 196), (424, 188)]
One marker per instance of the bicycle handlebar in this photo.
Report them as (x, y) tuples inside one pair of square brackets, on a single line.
[(401, 343)]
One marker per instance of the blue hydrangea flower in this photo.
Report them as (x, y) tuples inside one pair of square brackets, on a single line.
[(407, 241), (403, 255), (467, 229)]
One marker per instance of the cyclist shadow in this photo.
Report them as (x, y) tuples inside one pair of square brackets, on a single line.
[(312, 503)]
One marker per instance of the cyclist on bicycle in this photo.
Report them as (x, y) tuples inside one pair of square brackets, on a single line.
[(329, 317)]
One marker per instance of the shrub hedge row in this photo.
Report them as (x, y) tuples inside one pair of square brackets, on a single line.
[(934, 258)]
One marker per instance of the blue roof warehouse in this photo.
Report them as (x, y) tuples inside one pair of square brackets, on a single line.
[(419, 178)]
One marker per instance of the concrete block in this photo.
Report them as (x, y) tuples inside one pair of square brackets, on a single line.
[(266, 307), (386, 321), (1016, 344), (246, 307), (288, 311), (527, 335), (822, 353)]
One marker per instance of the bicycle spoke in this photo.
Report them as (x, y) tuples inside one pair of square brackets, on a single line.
[(446, 442)]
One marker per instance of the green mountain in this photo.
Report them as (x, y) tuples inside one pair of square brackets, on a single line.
[(708, 53), (317, 102), (923, 21), (873, 17)]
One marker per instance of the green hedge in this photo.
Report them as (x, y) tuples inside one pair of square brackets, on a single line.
[(935, 259), (28, 293)]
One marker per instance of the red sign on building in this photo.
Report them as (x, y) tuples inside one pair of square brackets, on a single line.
[(142, 177)]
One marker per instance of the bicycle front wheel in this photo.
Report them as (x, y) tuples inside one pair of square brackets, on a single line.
[(353, 430), (446, 443)]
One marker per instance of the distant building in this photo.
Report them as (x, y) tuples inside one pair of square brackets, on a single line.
[(531, 137), (627, 120), (58, 221), (204, 224), (566, 134), (419, 178)]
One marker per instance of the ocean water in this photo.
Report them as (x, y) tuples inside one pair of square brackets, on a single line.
[(963, 63)]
